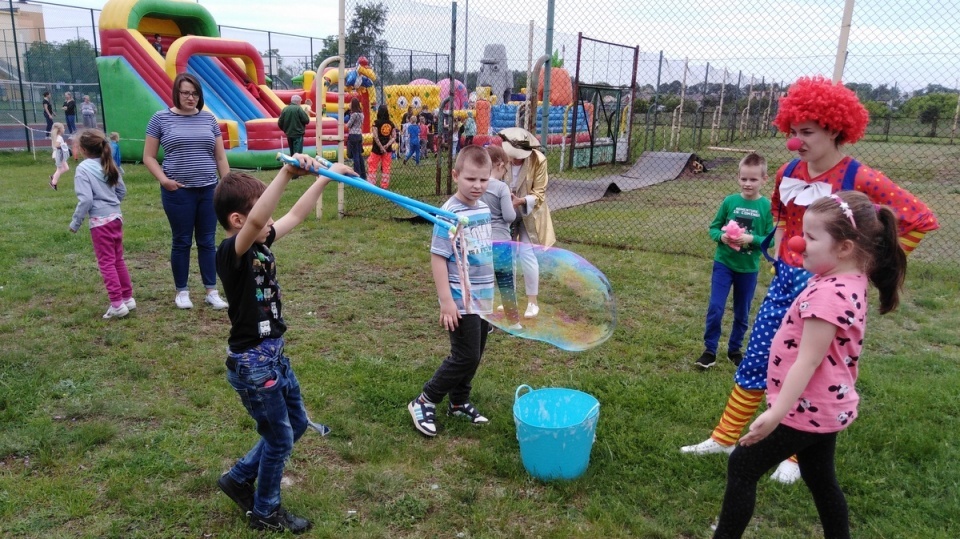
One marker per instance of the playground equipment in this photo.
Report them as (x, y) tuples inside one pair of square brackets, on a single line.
[(137, 81), (494, 73)]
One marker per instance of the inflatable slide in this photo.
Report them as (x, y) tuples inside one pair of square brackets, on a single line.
[(136, 80)]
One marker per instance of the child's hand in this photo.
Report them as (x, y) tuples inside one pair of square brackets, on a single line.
[(745, 240), (449, 315), (725, 239), (340, 168), (760, 428), (305, 164)]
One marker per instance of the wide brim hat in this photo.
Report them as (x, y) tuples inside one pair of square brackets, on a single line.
[(518, 143)]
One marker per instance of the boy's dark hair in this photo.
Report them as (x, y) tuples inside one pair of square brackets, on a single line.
[(753, 159), (237, 192), (476, 155), (187, 77), (45, 94), (96, 145)]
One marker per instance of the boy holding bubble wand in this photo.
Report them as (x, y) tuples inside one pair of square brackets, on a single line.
[(464, 278), (257, 367)]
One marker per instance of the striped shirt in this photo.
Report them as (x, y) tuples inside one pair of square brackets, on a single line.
[(189, 146), (480, 256)]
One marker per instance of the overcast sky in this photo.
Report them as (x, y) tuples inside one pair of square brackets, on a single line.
[(892, 41)]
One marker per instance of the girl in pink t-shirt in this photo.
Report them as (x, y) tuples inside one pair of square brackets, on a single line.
[(814, 357)]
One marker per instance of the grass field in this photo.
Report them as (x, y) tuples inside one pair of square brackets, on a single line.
[(120, 428)]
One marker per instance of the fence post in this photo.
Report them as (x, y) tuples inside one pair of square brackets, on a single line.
[(452, 90), (656, 103), (23, 102), (545, 114)]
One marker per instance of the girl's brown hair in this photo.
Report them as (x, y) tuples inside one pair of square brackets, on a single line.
[(95, 145)]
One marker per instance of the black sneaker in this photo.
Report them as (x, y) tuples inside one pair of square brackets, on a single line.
[(279, 521), (468, 411), (706, 360), (240, 493), (736, 356)]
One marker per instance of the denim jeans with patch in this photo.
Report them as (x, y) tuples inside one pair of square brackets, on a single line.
[(278, 411)]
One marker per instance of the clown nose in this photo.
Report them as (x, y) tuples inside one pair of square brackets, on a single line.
[(797, 244), (794, 144)]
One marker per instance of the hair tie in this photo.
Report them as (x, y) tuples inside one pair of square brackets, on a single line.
[(845, 210)]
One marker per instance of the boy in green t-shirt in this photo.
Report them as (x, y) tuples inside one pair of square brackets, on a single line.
[(737, 259)]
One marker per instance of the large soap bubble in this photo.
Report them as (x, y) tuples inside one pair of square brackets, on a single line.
[(577, 310)]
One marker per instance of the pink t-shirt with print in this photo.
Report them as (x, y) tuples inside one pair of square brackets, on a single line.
[(829, 402)]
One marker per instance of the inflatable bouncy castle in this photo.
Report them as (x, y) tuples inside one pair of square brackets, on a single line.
[(136, 80)]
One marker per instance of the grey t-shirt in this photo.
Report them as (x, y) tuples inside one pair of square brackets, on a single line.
[(502, 212)]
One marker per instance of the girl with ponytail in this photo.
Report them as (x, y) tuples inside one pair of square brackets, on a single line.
[(100, 189)]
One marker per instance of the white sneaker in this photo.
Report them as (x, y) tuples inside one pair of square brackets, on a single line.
[(183, 300), (787, 473), (130, 303), (532, 311), (500, 308), (215, 301), (515, 327), (707, 447), (116, 312)]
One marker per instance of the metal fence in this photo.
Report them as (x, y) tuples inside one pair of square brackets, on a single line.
[(666, 78)]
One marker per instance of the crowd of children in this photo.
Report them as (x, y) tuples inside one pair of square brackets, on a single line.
[(833, 237)]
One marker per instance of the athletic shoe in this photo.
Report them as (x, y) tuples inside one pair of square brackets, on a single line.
[(787, 472), (130, 303), (736, 356), (707, 447), (424, 416), (183, 300), (532, 311), (706, 360), (240, 493), (279, 521), (215, 301), (468, 411), (116, 312)]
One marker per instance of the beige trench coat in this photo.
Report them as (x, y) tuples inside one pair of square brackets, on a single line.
[(533, 181)]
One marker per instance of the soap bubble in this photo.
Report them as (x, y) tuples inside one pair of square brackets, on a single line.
[(577, 310)]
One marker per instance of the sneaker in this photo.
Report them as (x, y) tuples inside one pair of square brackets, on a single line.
[(116, 312), (532, 311), (279, 521), (240, 493), (130, 303), (706, 360), (424, 416), (736, 356), (468, 411), (707, 447), (183, 300), (500, 308), (515, 327), (787, 472), (215, 301)]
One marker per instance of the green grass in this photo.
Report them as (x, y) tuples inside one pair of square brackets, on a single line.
[(120, 428)]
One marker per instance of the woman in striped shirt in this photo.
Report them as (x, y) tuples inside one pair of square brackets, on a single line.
[(194, 160)]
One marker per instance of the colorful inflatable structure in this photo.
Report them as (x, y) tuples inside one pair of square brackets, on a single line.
[(137, 81)]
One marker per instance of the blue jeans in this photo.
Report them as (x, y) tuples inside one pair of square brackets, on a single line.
[(355, 152), (49, 120), (71, 123), (278, 411), (744, 285), (190, 213), (414, 150)]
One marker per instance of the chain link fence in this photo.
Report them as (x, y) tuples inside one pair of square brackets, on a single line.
[(664, 99)]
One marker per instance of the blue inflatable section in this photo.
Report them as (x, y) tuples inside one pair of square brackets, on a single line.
[(217, 96), (503, 116)]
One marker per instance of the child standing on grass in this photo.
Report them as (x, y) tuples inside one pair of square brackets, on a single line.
[(847, 240), (736, 261), (115, 149), (460, 315), (60, 153), (100, 190), (257, 368), (412, 136), (502, 214)]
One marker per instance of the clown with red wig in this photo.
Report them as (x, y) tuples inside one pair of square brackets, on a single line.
[(820, 117)]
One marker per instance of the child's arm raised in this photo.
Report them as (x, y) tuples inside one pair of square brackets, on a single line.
[(308, 200), (814, 343), (260, 214)]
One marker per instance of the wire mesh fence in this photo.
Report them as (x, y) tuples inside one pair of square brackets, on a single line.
[(663, 99)]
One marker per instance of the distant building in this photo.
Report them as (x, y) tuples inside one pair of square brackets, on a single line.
[(28, 21)]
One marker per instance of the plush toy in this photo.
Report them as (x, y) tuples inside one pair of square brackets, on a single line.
[(734, 232)]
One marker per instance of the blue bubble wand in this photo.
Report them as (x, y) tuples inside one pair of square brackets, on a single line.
[(432, 214)]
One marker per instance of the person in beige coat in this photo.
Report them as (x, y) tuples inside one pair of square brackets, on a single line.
[(527, 178)]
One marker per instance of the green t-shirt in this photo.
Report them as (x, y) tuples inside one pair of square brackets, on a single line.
[(755, 217)]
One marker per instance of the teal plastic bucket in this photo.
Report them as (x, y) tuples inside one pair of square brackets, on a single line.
[(556, 428)]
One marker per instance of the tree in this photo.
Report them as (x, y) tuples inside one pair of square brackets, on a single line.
[(74, 61), (878, 110), (362, 39)]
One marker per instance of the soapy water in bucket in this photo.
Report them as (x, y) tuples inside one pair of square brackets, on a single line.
[(577, 310)]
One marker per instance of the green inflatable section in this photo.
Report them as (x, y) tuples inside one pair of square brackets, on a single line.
[(190, 17), (133, 104)]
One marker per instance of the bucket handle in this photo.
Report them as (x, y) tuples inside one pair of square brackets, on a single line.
[(595, 408), (521, 386)]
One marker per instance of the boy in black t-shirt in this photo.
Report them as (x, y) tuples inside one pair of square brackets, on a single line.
[(256, 365)]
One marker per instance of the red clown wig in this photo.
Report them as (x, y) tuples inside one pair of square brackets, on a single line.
[(833, 106)]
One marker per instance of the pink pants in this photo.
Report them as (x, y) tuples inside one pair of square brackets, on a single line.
[(108, 246), (374, 162)]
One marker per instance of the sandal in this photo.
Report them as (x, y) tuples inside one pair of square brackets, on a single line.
[(53, 185)]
